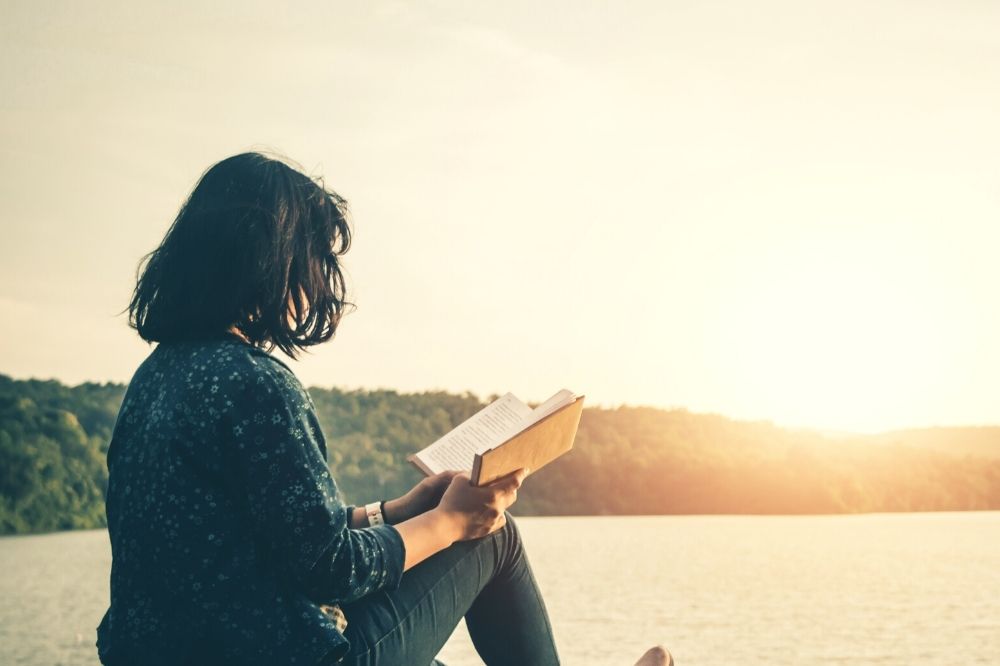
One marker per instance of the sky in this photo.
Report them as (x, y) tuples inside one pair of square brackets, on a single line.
[(776, 211)]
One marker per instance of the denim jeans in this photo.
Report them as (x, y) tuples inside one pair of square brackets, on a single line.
[(487, 580)]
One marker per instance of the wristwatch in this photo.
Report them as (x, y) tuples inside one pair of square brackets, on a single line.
[(375, 514)]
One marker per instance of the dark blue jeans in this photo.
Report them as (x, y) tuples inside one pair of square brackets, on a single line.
[(487, 580)]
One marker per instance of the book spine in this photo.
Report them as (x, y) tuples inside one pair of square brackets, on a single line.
[(477, 465)]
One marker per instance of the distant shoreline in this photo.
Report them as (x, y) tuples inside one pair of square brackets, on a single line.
[(54, 438), (632, 515)]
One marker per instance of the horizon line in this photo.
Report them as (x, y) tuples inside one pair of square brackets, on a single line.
[(484, 397)]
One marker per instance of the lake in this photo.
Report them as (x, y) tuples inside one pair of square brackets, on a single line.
[(859, 589)]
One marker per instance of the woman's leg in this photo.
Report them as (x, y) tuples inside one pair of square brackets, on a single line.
[(512, 602), (487, 580)]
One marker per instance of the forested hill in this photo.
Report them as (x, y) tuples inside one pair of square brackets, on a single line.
[(53, 439)]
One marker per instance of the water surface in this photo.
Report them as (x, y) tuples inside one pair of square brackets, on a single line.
[(870, 589)]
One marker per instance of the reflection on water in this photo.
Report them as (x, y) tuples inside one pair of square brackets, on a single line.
[(873, 589)]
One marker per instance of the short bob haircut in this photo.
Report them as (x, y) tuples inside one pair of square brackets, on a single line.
[(256, 247)]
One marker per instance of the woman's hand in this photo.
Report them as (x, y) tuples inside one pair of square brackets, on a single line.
[(478, 511), (422, 497), (464, 512)]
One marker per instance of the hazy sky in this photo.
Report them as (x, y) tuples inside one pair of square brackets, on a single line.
[(773, 210)]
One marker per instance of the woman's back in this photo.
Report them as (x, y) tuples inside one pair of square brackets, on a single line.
[(204, 435)]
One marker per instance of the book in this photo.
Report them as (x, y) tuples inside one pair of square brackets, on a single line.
[(505, 436)]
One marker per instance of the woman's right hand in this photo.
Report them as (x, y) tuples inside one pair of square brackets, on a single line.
[(478, 511)]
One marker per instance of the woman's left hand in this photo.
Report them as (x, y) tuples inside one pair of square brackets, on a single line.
[(422, 497)]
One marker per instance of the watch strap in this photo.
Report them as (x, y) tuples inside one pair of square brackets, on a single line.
[(374, 512)]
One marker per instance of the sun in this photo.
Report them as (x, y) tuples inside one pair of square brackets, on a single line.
[(834, 331)]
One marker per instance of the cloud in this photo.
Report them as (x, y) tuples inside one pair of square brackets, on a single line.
[(489, 40)]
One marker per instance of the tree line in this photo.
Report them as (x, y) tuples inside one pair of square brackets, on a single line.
[(54, 439)]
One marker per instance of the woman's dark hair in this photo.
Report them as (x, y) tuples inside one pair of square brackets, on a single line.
[(255, 246)]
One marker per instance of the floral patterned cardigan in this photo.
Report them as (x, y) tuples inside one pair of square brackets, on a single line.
[(228, 532)]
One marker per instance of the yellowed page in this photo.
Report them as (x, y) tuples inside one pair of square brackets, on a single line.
[(534, 447), (480, 432), (558, 400)]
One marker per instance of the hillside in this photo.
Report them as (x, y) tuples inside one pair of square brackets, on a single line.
[(53, 439)]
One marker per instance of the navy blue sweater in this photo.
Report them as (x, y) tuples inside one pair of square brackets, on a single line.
[(227, 529)]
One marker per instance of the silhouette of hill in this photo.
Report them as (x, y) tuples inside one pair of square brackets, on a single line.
[(53, 441), (981, 441)]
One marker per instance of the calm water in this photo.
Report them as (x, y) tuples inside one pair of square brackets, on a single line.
[(876, 589)]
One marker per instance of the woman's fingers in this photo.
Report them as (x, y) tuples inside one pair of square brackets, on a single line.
[(516, 483), (514, 479), (505, 487), (485, 506)]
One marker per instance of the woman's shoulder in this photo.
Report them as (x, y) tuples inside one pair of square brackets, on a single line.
[(219, 367)]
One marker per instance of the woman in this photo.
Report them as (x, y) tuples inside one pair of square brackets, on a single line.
[(231, 543)]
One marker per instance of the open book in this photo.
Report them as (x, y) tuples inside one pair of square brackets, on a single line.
[(505, 436)]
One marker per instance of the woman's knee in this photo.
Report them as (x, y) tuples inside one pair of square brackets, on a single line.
[(511, 531), (510, 524), (507, 539)]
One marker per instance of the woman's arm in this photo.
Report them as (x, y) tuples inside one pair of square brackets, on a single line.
[(427, 534), (421, 498), (465, 512), (396, 511), (291, 500)]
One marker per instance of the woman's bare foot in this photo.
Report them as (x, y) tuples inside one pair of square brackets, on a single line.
[(656, 656)]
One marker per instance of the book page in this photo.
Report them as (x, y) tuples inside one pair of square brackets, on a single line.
[(563, 397), (534, 447), (481, 431), (559, 399)]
